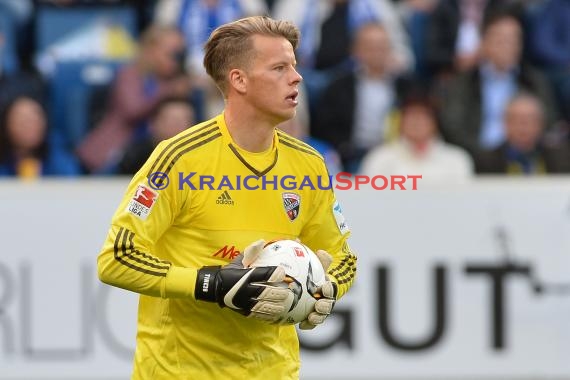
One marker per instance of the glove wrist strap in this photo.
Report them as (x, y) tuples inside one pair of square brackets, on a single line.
[(205, 283)]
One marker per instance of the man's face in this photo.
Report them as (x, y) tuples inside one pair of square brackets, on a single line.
[(165, 54), (524, 123), (502, 44), (271, 80), (372, 48)]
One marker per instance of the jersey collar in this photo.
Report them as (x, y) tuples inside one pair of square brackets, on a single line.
[(241, 154)]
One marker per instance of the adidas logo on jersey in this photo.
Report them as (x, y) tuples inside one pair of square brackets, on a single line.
[(225, 199)]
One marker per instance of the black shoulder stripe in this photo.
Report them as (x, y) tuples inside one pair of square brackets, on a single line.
[(298, 142), (121, 239), (297, 147), (188, 149), (185, 135), (184, 139)]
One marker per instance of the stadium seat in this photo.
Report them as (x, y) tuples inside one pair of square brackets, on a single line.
[(53, 24), (83, 33)]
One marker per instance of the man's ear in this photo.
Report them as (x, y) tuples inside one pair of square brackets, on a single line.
[(238, 80)]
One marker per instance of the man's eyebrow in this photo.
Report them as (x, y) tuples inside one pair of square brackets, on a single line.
[(284, 62)]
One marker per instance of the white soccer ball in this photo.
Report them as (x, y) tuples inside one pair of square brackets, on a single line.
[(303, 267)]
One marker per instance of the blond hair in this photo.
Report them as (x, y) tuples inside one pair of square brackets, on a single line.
[(230, 45)]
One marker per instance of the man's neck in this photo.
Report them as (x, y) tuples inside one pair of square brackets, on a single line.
[(248, 131)]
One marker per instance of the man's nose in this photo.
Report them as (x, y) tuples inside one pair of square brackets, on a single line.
[(297, 78)]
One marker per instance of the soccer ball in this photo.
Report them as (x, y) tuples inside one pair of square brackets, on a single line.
[(304, 270)]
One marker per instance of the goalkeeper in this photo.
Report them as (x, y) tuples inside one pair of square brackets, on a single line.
[(198, 317)]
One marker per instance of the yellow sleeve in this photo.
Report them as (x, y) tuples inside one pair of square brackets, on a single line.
[(147, 210), (328, 230)]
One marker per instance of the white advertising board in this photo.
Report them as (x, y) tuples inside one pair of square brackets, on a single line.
[(457, 282)]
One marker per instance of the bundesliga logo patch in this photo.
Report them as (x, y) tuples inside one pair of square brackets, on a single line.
[(142, 202), (292, 203), (339, 217)]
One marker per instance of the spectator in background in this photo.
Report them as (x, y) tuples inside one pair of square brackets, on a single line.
[(453, 34), (157, 73), (550, 45), (171, 116), (196, 19), (24, 149), (298, 127), (329, 27), (354, 112), (524, 151), (473, 106), (420, 150), (416, 15)]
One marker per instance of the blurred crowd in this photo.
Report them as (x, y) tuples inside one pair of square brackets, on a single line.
[(444, 88)]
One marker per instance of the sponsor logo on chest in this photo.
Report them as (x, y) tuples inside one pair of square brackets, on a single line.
[(227, 251)]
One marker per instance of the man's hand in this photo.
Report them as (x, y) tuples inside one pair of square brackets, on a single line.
[(327, 294), (259, 292)]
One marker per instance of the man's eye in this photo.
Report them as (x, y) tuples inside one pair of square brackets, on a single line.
[(280, 68)]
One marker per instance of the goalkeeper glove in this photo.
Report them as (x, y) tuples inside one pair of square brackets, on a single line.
[(327, 293), (259, 292)]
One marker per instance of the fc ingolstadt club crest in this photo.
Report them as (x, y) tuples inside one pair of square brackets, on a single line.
[(292, 203)]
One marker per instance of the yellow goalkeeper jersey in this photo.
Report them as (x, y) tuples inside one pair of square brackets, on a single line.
[(200, 200)]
